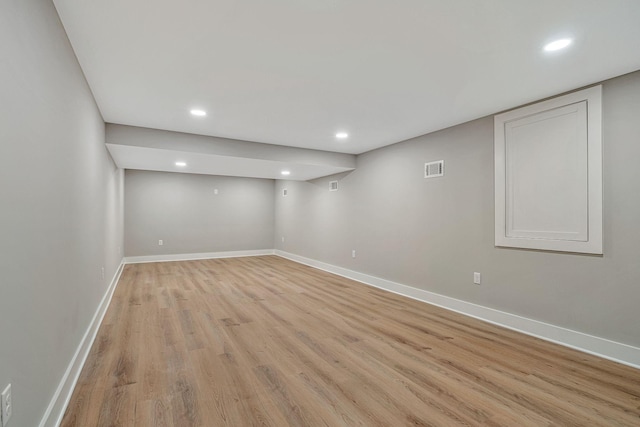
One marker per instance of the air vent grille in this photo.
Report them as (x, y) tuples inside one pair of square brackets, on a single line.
[(434, 169), (333, 186)]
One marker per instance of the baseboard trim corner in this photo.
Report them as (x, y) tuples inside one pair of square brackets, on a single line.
[(196, 256), (58, 405), (601, 347)]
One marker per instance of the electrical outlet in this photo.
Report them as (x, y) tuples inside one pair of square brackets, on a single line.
[(7, 407), (215, 191), (353, 253), (102, 273), (477, 278), (282, 239), (160, 243)]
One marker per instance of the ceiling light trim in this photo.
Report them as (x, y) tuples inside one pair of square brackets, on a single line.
[(559, 44), (198, 112)]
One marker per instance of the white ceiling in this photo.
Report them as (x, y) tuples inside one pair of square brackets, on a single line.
[(143, 158), (294, 72), (159, 150)]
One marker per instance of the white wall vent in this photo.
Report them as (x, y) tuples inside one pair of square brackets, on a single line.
[(434, 169), (284, 192), (333, 186)]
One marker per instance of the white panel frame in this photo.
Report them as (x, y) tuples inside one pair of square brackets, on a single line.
[(593, 242)]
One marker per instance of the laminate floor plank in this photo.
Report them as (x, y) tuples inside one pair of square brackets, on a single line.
[(264, 341)]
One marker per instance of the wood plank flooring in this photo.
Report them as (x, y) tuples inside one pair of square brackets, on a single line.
[(263, 341)]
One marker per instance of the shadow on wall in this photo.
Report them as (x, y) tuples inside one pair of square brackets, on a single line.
[(322, 182)]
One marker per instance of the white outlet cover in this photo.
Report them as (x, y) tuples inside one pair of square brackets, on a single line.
[(477, 278)]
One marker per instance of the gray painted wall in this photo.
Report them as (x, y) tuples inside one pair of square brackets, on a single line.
[(61, 206), (433, 234), (183, 211)]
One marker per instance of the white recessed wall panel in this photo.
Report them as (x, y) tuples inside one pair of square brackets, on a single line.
[(546, 156), (549, 175)]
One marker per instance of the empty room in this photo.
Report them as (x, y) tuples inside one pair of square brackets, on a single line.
[(319, 213)]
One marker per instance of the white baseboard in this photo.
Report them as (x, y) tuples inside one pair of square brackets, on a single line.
[(54, 413), (615, 351), (196, 256)]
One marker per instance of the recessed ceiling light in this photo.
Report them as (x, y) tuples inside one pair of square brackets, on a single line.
[(342, 135), (285, 173), (199, 113), (181, 164), (557, 45)]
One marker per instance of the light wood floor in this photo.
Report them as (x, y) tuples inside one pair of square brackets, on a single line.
[(265, 341)]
